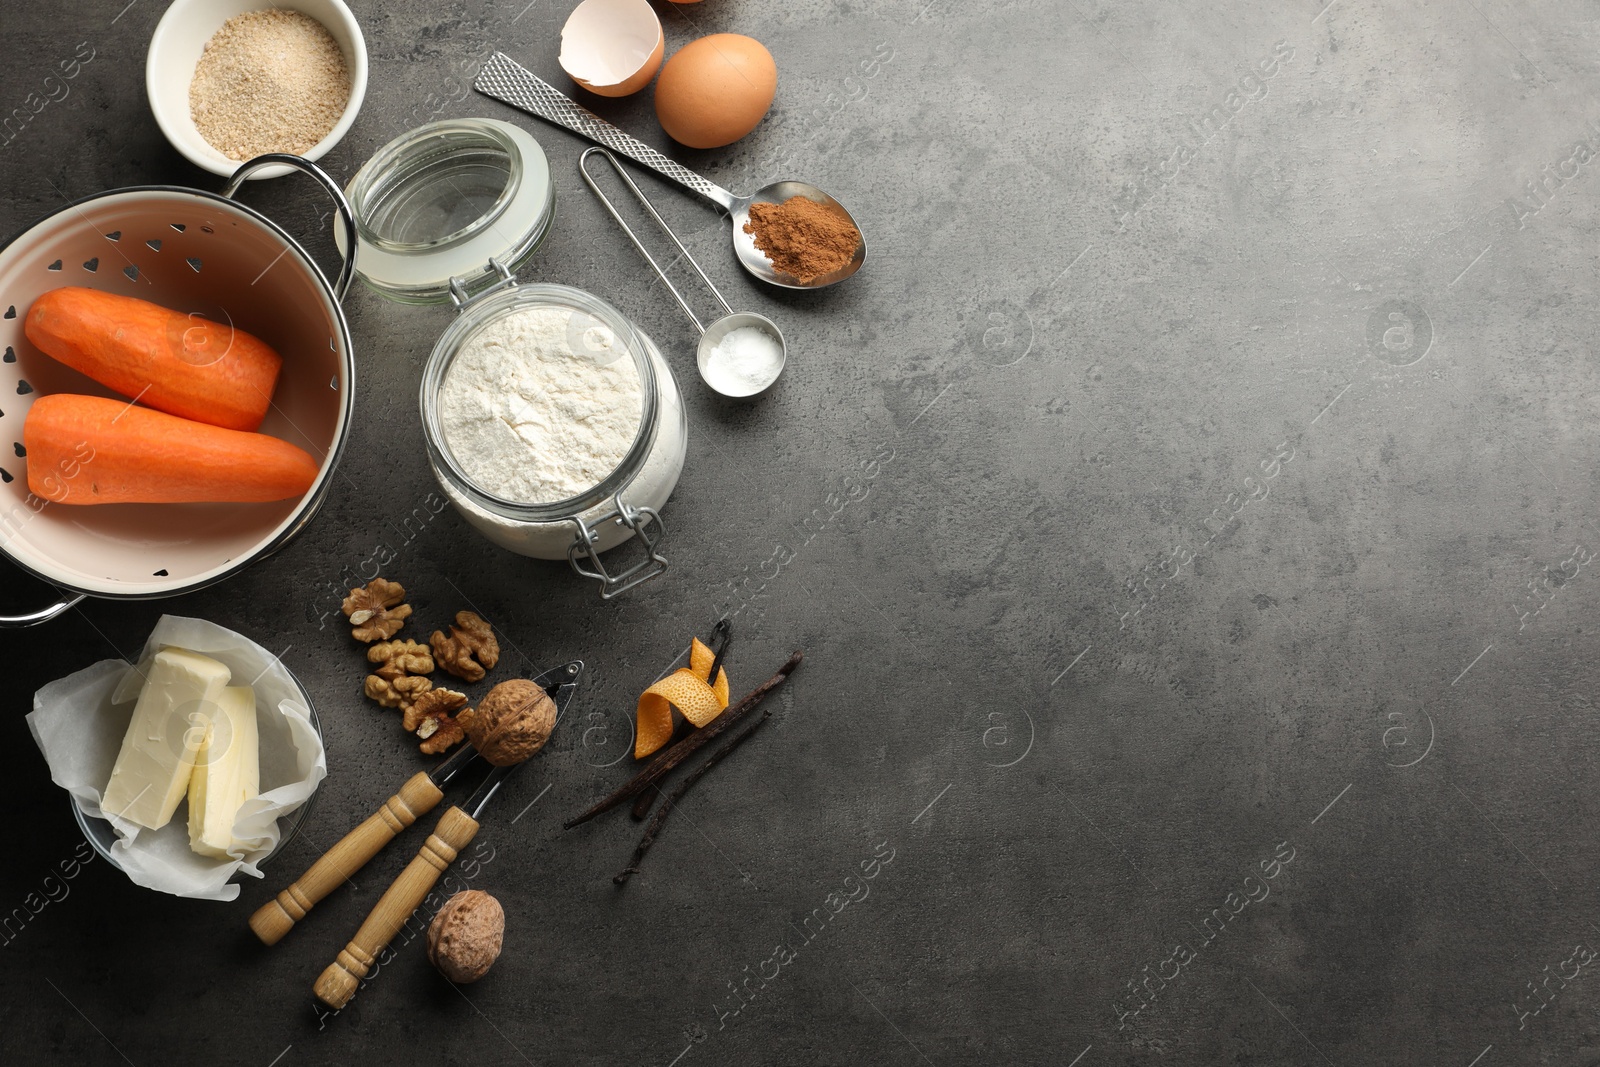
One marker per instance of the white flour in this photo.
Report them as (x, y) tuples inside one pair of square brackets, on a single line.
[(540, 405)]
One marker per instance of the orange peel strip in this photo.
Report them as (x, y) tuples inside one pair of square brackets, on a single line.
[(686, 690)]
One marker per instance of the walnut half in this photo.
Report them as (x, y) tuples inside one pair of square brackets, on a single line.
[(431, 718), (376, 610), (439, 735), (397, 659), (397, 693), (470, 637)]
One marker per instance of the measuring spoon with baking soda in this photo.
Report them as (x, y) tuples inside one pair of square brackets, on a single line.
[(742, 353), (509, 82)]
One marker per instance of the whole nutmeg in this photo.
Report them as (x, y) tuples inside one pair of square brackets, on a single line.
[(464, 938), (511, 723)]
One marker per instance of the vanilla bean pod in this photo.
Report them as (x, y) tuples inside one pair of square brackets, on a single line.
[(667, 761), (641, 807), (722, 637), (684, 786)]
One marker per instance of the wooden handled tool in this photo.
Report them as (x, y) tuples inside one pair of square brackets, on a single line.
[(455, 831), (416, 798)]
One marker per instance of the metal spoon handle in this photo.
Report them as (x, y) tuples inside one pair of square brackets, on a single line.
[(661, 272), (510, 82)]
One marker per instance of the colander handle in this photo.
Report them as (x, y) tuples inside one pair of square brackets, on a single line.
[(348, 270), (45, 614)]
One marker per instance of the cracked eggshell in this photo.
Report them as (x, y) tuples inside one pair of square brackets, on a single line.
[(612, 47)]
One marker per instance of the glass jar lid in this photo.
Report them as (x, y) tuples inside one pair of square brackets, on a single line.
[(455, 205)]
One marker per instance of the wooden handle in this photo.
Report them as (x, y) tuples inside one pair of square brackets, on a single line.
[(277, 916), (338, 983)]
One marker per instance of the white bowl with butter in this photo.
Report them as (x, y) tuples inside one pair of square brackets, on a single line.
[(103, 836), (90, 721)]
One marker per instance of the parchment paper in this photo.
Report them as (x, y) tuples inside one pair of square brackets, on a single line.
[(78, 723)]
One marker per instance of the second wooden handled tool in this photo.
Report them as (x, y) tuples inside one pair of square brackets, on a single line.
[(416, 798), (455, 831)]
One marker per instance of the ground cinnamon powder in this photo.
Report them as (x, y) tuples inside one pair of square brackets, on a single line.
[(803, 238)]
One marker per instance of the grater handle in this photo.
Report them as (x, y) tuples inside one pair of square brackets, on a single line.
[(511, 83), (347, 272)]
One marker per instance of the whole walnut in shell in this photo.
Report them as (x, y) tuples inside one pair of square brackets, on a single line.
[(464, 938), (511, 723)]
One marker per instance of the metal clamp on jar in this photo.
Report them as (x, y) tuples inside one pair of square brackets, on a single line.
[(449, 212)]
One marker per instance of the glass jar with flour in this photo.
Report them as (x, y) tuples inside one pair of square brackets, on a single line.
[(556, 428), (553, 425)]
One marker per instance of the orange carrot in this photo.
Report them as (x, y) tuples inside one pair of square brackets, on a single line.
[(181, 364), (94, 450)]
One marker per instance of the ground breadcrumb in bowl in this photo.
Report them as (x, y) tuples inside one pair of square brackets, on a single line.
[(268, 81), (232, 79)]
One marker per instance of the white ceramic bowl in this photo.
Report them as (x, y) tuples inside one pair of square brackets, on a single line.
[(175, 48)]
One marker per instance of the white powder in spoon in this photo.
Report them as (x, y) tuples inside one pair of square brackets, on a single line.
[(745, 361), (540, 405)]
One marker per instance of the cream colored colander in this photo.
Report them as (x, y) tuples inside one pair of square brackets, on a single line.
[(201, 253)]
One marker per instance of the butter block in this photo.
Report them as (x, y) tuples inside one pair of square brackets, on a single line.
[(152, 771), (227, 772)]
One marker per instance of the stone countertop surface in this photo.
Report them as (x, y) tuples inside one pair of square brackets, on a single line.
[(1188, 515)]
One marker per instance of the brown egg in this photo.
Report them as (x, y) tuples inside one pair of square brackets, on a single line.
[(715, 90)]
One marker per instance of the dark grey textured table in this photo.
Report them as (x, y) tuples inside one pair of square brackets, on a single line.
[(1188, 514)]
